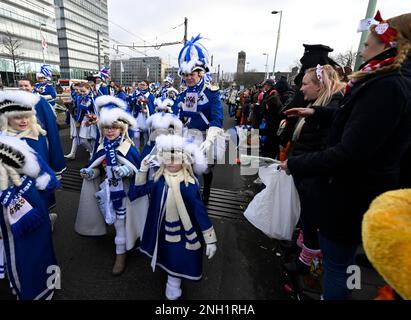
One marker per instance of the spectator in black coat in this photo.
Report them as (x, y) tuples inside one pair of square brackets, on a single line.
[(369, 135), (322, 88), (271, 108)]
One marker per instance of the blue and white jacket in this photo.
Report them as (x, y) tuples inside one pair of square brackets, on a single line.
[(200, 106), (46, 89)]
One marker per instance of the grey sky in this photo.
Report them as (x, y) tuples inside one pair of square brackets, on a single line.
[(234, 25)]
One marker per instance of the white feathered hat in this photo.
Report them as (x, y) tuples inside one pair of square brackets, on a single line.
[(169, 79), (45, 72), (193, 56)]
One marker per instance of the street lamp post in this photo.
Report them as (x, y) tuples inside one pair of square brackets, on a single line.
[(41, 38), (278, 38), (266, 65)]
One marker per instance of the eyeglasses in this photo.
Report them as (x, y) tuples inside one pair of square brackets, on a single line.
[(111, 128)]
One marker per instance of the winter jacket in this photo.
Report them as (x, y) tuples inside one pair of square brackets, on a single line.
[(369, 136)]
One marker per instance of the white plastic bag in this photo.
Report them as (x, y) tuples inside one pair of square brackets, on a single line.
[(104, 203), (276, 209)]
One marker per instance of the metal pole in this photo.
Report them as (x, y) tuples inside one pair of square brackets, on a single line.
[(266, 66), (185, 30), (372, 4), (98, 49), (121, 72), (278, 39), (41, 39)]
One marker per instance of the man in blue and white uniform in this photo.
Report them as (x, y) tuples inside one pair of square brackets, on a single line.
[(199, 106)]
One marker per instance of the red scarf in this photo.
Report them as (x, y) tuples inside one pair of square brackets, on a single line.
[(370, 67)]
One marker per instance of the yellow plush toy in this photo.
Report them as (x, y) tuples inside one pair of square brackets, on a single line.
[(386, 233)]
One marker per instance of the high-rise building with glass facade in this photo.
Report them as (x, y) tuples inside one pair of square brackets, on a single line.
[(82, 27), (74, 31), (21, 24)]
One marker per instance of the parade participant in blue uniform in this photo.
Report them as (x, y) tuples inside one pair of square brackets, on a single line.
[(74, 132), (43, 87), (86, 117), (107, 178), (142, 107), (161, 122), (18, 118), (120, 93), (101, 87), (200, 104), (168, 86), (47, 119), (24, 223), (177, 226)]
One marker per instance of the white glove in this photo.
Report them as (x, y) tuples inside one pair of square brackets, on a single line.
[(212, 134), (145, 163), (87, 173), (122, 171), (206, 145), (211, 249)]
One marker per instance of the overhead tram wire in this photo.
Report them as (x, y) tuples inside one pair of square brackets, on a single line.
[(139, 37), (131, 48)]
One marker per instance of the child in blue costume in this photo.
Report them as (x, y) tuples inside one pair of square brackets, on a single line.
[(18, 118), (45, 88), (106, 181), (177, 225), (86, 117), (142, 106), (25, 228), (163, 121)]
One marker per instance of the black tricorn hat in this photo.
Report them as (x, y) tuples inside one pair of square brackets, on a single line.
[(317, 47)]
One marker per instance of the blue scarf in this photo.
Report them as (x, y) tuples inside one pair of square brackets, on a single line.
[(142, 92), (115, 183), (23, 218)]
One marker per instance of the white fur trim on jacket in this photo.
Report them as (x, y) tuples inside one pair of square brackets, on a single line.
[(30, 166), (43, 181)]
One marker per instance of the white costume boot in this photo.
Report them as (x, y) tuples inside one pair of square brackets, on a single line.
[(173, 288)]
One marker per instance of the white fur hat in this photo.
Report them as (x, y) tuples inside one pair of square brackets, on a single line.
[(163, 104), (162, 120), (17, 154), (117, 116), (175, 143), (109, 102), (16, 103)]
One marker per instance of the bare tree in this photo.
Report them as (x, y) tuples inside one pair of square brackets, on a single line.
[(346, 59), (12, 48)]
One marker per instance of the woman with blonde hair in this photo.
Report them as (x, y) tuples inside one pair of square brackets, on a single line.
[(369, 135), (322, 89)]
